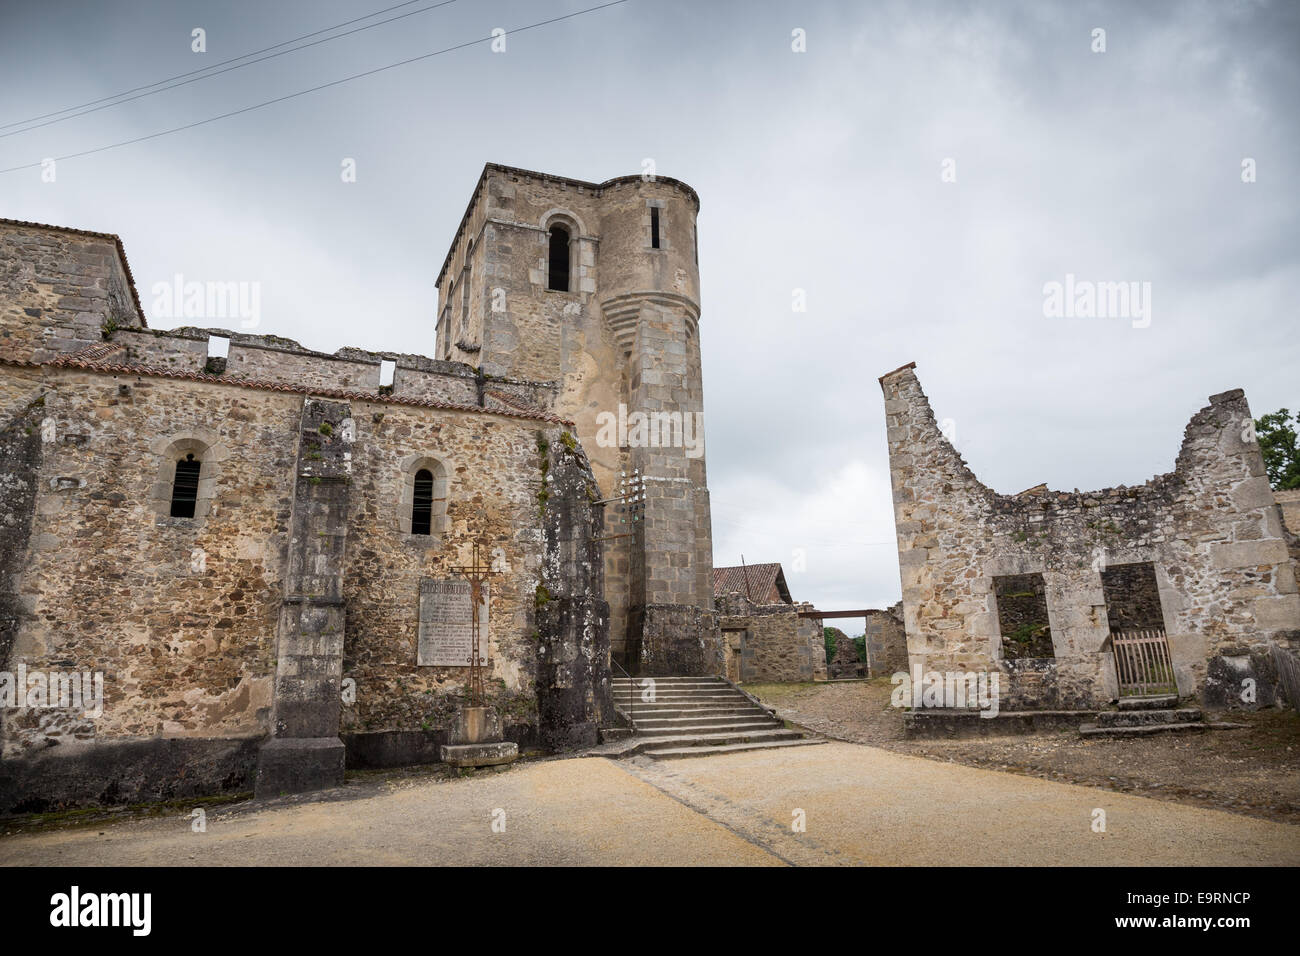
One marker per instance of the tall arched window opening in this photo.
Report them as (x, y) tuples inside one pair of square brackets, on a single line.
[(422, 502), (558, 273), (185, 488)]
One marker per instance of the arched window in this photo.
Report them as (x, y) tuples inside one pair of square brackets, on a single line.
[(185, 487), (558, 273), (188, 476), (422, 510), (422, 502)]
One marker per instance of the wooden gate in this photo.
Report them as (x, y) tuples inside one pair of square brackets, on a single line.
[(1142, 663)]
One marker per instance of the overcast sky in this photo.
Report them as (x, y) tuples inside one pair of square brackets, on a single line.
[(820, 170)]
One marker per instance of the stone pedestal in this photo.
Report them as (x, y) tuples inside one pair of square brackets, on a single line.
[(297, 764), (476, 740)]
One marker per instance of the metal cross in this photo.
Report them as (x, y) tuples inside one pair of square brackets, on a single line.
[(476, 574)]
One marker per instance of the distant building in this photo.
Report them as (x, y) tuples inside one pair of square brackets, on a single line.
[(759, 583)]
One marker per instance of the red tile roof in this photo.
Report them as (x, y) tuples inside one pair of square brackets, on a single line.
[(757, 580)]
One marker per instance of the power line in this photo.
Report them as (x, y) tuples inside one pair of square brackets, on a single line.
[(208, 76), (314, 89)]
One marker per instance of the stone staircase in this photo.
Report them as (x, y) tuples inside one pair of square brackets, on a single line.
[(1144, 716), (697, 716)]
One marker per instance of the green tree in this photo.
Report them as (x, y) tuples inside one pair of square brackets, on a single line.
[(1276, 433)]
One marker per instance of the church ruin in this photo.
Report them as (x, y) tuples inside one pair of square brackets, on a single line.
[(259, 551), (1182, 586)]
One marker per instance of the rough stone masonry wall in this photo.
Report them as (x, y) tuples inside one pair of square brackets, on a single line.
[(58, 289), (277, 360), (180, 614), (777, 645), (886, 642), (1289, 502), (177, 613), (573, 669), (494, 476), (305, 752), (1211, 528)]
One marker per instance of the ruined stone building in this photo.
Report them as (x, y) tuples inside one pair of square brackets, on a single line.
[(1193, 571), (260, 553), (765, 633), (768, 636)]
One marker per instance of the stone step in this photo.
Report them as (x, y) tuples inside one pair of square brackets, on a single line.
[(697, 720), (669, 682), (670, 699), (1146, 730), (678, 684), (738, 727), (1143, 718), (678, 753), (640, 743), (1160, 702), (685, 703), (691, 712), (619, 678)]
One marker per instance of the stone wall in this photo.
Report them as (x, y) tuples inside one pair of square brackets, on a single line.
[(771, 641), (1211, 528), (1289, 502), (886, 642), (59, 288), (180, 614), (845, 664)]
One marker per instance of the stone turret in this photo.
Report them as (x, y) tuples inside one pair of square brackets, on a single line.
[(596, 287)]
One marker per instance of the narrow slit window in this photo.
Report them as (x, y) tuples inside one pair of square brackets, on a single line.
[(654, 227), (387, 370), (422, 503), (185, 488), (558, 280)]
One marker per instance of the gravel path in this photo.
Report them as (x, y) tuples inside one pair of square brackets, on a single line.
[(1255, 770), (861, 805)]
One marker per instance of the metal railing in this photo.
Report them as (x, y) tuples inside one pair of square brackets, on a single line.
[(631, 692)]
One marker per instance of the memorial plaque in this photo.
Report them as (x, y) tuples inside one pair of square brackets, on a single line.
[(446, 621)]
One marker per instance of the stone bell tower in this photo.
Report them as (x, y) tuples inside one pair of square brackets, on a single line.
[(594, 289)]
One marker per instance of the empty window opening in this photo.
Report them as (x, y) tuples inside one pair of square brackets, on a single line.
[(422, 503), (387, 370), (185, 487), (558, 279), (218, 350), (1022, 616), (1132, 597), (654, 227)]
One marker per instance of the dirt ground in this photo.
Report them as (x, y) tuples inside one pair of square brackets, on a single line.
[(834, 804), (1254, 770)]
